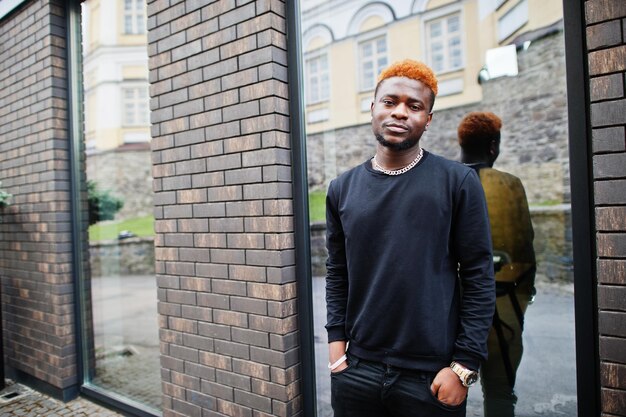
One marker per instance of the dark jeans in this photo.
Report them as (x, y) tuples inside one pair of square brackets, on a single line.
[(372, 389)]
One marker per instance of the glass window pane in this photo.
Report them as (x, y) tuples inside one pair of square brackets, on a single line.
[(435, 29), (325, 87), (381, 45), (372, 57), (453, 24), (323, 62), (317, 79), (437, 65), (344, 141), (381, 63), (122, 349), (140, 24), (366, 50), (314, 90)]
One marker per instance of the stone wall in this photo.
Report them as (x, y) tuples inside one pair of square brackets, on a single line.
[(127, 173), (533, 109), (132, 256), (552, 244)]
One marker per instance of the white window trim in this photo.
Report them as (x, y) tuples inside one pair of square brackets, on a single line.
[(436, 14), (317, 31), (522, 9), (383, 11), (500, 3), (135, 123), (369, 36), (133, 13), (317, 54)]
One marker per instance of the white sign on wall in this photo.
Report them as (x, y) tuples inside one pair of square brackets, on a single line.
[(501, 61)]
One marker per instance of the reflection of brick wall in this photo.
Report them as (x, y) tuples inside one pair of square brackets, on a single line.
[(35, 233), (533, 109), (605, 21)]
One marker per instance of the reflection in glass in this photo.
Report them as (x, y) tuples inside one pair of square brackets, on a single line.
[(514, 260), (122, 346), (359, 38)]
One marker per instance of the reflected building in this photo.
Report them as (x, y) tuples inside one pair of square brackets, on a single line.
[(502, 56), (116, 101), (115, 74), (346, 43), (120, 285)]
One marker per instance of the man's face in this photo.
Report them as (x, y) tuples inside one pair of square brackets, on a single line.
[(401, 112)]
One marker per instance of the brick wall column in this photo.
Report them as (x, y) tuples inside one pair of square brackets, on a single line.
[(224, 218), (35, 233), (606, 26)]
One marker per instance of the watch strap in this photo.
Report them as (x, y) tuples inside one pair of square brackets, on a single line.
[(467, 376)]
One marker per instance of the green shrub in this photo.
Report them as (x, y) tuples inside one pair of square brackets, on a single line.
[(102, 205), (5, 198)]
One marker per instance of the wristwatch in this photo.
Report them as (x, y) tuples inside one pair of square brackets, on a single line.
[(467, 376)]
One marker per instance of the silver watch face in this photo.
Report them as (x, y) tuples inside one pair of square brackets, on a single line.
[(471, 379)]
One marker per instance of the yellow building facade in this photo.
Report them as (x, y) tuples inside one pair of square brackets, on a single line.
[(347, 43), (115, 79)]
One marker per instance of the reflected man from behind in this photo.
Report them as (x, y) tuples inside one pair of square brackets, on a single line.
[(514, 259)]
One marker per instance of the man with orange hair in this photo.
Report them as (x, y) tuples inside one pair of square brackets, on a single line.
[(409, 285), (512, 240)]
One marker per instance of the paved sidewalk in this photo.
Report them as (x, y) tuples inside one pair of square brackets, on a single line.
[(19, 400)]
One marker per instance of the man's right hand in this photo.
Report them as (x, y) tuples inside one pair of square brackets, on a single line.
[(335, 351)]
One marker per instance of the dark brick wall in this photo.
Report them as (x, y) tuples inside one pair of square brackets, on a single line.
[(35, 233), (224, 219), (606, 42)]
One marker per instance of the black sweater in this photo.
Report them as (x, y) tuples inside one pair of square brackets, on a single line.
[(394, 244)]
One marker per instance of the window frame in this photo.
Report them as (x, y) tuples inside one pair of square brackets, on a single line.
[(582, 209), (371, 37), (307, 82), (77, 192), (136, 101), (445, 39), (134, 15)]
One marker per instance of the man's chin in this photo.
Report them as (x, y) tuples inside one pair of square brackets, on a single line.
[(397, 144)]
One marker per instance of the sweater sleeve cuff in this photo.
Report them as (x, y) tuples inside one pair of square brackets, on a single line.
[(467, 360), (336, 333)]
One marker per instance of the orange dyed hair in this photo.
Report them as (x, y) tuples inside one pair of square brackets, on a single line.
[(411, 69), (478, 128)]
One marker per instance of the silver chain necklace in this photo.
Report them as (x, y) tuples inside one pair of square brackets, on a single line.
[(400, 171)]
